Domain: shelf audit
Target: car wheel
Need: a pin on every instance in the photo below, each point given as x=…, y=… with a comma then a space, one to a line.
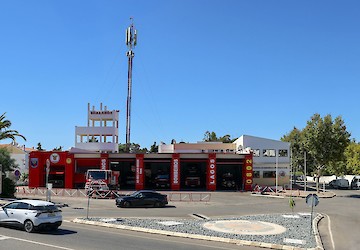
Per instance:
x=29, y=226
x=157, y=204
x=126, y=204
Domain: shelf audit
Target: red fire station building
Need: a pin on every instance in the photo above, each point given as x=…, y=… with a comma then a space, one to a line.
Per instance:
x=169, y=171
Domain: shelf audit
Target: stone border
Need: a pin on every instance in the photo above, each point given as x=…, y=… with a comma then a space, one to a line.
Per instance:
x=211, y=238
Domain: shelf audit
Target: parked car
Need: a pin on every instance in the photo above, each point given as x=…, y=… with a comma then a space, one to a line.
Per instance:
x=339, y=184
x=142, y=198
x=31, y=215
x=355, y=183
x=162, y=181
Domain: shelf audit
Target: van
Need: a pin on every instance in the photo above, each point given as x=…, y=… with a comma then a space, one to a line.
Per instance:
x=355, y=183
x=339, y=184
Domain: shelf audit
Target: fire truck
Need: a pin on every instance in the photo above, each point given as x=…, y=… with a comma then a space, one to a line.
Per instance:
x=101, y=180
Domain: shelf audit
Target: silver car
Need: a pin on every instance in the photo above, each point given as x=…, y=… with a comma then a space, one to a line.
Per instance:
x=31, y=215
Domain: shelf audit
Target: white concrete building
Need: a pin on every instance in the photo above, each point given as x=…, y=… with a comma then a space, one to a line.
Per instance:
x=101, y=133
x=271, y=158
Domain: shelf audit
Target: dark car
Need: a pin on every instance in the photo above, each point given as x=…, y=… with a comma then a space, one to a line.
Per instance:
x=142, y=198
x=162, y=181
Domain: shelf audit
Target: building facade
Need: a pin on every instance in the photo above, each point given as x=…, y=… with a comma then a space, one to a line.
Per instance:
x=271, y=159
x=168, y=171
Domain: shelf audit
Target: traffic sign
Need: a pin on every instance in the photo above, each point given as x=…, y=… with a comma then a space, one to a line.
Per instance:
x=312, y=200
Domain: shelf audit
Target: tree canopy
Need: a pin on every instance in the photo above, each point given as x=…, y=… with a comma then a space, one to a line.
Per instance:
x=212, y=137
x=324, y=140
x=6, y=132
x=8, y=164
x=352, y=154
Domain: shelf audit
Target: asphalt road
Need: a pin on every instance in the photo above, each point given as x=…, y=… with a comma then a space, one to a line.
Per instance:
x=79, y=237
x=342, y=211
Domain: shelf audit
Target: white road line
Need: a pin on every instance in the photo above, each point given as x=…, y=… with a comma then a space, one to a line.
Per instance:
x=330, y=232
x=3, y=237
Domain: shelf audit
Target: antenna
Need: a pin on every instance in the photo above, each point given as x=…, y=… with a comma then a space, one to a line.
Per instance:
x=131, y=41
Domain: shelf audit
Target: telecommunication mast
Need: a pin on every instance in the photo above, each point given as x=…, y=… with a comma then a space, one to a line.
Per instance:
x=131, y=40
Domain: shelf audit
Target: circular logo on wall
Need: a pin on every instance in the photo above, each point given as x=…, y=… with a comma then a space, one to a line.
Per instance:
x=54, y=158
x=68, y=160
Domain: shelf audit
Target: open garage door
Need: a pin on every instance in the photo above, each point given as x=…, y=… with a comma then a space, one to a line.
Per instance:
x=193, y=175
x=228, y=175
x=157, y=174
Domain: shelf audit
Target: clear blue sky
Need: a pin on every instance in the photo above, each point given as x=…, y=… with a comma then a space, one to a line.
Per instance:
x=229, y=66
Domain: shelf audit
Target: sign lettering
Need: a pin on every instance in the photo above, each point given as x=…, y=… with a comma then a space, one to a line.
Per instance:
x=176, y=171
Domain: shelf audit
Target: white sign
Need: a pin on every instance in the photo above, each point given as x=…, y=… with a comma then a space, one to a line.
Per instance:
x=54, y=158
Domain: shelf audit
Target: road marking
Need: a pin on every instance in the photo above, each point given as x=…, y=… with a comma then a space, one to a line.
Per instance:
x=3, y=237
x=330, y=232
x=294, y=241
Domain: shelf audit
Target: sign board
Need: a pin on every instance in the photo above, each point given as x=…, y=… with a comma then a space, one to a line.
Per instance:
x=312, y=200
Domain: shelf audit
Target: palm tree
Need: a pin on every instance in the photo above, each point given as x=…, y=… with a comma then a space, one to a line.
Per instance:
x=5, y=132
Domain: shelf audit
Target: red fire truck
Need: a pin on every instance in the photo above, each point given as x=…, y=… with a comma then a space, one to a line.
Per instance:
x=101, y=180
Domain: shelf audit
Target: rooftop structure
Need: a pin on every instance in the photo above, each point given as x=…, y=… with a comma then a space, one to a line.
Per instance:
x=101, y=133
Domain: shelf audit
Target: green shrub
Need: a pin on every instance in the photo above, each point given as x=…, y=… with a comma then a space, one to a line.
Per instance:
x=8, y=188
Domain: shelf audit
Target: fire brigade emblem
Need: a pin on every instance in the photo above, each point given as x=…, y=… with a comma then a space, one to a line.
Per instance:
x=54, y=158
x=34, y=162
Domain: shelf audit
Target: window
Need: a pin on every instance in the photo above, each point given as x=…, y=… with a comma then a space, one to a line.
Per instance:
x=256, y=174
x=269, y=153
x=12, y=205
x=256, y=152
x=283, y=152
x=23, y=206
x=269, y=174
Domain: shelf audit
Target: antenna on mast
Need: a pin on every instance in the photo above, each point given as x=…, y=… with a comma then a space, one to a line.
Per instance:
x=131, y=41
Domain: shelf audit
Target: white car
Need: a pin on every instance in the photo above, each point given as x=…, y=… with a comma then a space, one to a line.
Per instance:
x=339, y=184
x=31, y=215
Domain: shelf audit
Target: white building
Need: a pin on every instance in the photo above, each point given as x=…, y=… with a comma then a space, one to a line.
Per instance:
x=21, y=156
x=101, y=133
x=271, y=158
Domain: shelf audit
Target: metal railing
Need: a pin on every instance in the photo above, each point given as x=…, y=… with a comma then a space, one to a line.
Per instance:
x=109, y=194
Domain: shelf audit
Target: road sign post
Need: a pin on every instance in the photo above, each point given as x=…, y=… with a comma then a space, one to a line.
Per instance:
x=47, y=179
x=312, y=200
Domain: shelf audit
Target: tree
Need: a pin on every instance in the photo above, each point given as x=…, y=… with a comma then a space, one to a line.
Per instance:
x=8, y=164
x=208, y=137
x=352, y=154
x=211, y=137
x=134, y=148
x=39, y=148
x=297, y=147
x=325, y=141
x=5, y=132
x=58, y=148
x=154, y=148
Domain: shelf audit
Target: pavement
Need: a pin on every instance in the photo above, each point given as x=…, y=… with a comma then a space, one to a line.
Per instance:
x=235, y=227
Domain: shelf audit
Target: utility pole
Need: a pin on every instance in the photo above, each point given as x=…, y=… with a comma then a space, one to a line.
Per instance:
x=131, y=40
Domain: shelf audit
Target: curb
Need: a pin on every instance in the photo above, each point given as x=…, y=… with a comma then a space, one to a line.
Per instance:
x=210, y=238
